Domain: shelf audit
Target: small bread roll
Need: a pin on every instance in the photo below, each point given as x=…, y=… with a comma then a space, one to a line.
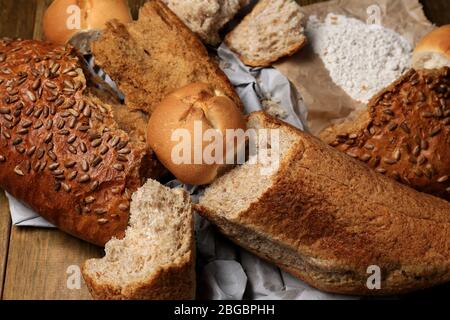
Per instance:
x=60, y=18
x=433, y=51
x=185, y=111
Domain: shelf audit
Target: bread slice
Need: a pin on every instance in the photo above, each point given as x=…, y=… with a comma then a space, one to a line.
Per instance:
x=155, y=55
x=155, y=260
x=274, y=29
x=326, y=218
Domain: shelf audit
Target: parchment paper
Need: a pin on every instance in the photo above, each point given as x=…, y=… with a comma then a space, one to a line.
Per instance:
x=326, y=102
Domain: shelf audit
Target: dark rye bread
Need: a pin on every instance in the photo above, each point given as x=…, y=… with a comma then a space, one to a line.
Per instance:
x=325, y=218
x=154, y=56
x=61, y=151
x=405, y=132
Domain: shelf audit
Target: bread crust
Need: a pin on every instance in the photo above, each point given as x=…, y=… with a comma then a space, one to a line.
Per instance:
x=59, y=143
x=326, y=218
x=262, y=62
x=404, y=132
x=437, y=41
x=175, y=281
x=140, y=57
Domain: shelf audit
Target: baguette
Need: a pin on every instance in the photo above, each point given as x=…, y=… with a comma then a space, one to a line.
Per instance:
x=325, y=218
x=62, y=148
x=156, y=258
x=154, y=56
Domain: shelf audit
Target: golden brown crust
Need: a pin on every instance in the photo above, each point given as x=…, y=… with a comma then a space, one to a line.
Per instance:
x=61, y=150
x=405, y=132
x=327, y=218
x=437, y=41
x=156, y=55
x=170, y=282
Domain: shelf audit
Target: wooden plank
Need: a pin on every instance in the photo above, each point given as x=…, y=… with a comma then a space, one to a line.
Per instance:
x=38, y=262
x=17, y=18
x=41, y=5
x=5, y=227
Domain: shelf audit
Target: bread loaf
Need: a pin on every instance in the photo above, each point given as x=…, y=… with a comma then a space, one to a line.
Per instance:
x=154, y=56
x=62, y=150
x=326, y=218
x=405, y=132
x=156, y=258
x=274, y=29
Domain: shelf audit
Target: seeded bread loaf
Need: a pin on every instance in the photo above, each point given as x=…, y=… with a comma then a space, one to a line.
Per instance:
x=326, y=218
x=62, y=151
x=154, y=56
x=156, y=258
x=405, y=132
x=274, y=29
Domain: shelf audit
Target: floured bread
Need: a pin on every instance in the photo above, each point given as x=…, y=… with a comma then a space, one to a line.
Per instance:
x=272, y=30
x=155, y=260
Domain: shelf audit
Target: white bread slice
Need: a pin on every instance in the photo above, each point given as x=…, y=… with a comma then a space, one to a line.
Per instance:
x=274, y=29
x=156, y=258
x=326, y=218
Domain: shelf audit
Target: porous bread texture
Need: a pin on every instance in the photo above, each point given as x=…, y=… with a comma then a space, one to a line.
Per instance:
x=325, y=218
x=431, y=60
x=206, y=17
x=155, y=55
x=274, y=29
x=155, y=259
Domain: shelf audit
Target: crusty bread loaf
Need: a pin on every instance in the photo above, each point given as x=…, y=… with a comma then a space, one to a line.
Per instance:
x=197, y=106
x=156, y=258
x=206, y=17
x=325, y=218
x=274, y=29
x=155, y=55
x=433, y=51
x=405, y=132
x=62, y=151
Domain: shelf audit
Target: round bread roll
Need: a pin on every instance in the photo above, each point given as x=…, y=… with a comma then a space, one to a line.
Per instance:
x=61, y=20
x=433, y=51
x=193, y=110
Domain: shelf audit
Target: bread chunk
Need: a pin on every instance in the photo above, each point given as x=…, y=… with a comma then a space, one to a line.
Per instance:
x=155, y=55
x=156, y=258
x=274, y=29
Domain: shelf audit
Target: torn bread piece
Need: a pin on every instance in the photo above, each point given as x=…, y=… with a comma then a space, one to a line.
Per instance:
x=274, y=29
x=326, y=218
x=151, y=57
x=156, y=258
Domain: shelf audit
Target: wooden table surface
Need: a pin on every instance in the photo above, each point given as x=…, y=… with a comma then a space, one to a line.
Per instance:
x=43, y=263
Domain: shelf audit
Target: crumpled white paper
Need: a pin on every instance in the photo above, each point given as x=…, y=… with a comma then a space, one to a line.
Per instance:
x=225, y=271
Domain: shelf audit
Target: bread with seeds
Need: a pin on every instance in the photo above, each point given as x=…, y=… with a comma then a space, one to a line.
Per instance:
x=274, y=29
x=156, y=258
x=63, y=150
x=405, y=132
x=154, y=56
x=326, y=218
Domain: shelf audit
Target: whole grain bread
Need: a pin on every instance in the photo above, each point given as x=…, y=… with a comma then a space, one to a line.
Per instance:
x=62, y=150
x=405, y=132
x=272, y=30
x=326, y=218
x=156, y=258
x=155, y=55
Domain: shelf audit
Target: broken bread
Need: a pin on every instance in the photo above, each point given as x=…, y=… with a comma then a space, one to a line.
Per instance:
x=274, y=29
x=155, y=259
x=327, y=218
x=151, y=57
